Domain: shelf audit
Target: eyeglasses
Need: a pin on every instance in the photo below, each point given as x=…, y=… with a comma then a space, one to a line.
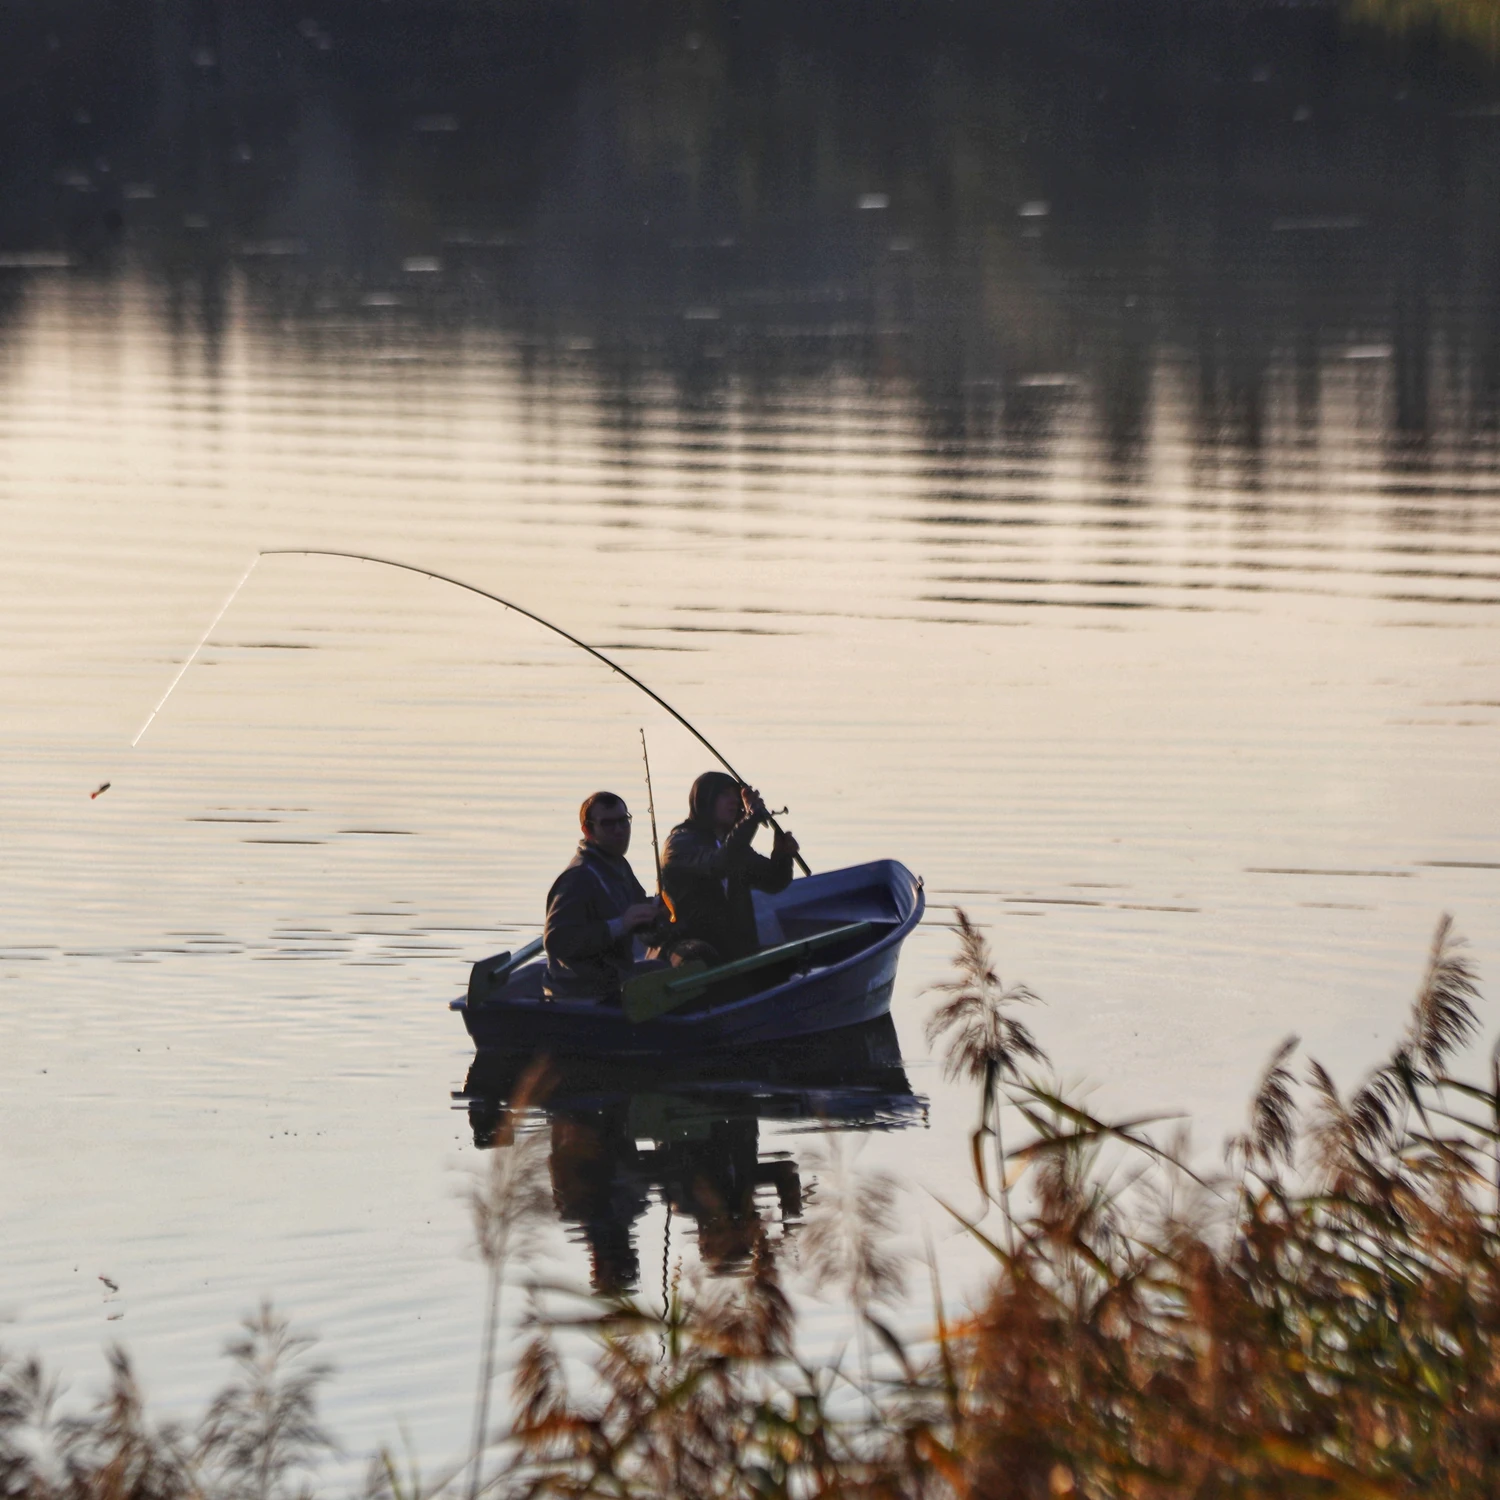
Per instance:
x=623, y=820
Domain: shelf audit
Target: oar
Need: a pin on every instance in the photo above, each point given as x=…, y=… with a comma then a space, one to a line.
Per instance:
x=661, y=990
x=492, y=971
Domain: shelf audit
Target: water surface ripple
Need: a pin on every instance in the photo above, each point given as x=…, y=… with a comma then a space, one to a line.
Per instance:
x=1120, y=554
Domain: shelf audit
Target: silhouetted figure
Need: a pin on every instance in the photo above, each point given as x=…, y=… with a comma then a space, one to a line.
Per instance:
x=709, y=866
x=595, y=908
x=598, y=1183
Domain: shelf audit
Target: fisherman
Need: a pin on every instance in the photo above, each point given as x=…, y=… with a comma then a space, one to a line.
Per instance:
x=595, y=908
x=709, y=867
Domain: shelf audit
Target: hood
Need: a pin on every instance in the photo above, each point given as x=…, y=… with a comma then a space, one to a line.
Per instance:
x=705, y=793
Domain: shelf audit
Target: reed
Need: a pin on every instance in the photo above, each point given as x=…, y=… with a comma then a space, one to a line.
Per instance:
x=985, y=1043
x=262, y=1431
x=259, y=1438
x=508, y=1204
x=1316, y=1316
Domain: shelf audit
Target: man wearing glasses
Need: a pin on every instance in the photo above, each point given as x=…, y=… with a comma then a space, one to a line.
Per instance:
x=595, y=908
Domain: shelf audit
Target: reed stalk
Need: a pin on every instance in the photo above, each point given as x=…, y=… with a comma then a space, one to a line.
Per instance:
x=985, y=1043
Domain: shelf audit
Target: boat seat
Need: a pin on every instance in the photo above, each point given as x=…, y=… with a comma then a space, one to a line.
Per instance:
x=874, y=907
x=800, y=925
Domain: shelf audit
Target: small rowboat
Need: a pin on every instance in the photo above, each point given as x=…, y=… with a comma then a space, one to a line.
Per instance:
x=829, y=947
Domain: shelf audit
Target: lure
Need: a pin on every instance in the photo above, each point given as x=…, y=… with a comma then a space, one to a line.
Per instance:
x=103, y=787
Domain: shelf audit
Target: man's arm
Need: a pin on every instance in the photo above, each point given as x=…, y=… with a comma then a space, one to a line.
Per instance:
x=688, y=852
x=773, y=874
x=575, y=929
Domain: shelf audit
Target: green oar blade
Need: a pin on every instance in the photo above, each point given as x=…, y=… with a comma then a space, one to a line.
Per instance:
x=648, y=996
x=654, y=994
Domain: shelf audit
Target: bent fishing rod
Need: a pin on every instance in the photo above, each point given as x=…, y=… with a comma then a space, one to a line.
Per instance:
x=458, y=583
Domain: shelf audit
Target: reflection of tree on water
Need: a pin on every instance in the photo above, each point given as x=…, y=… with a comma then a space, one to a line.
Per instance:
x=592, y=174
x=629, y=1134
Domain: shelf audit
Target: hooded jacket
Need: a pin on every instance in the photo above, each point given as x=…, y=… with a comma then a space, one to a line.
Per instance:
x=709, y=882
x=588, y=953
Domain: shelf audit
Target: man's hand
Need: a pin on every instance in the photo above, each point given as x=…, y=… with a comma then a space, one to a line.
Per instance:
x=642, y=914
x=784, y=845
x=755, y=806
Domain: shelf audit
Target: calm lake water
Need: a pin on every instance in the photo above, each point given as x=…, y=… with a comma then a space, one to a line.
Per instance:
x=1089, y=496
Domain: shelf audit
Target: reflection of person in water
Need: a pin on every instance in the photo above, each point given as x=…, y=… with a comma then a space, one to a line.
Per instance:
x=599, y=1183
x=713, y=1180
x=708, y=1166
x=602, y=1183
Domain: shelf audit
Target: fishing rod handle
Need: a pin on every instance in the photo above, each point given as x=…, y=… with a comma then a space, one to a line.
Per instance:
x=801, y=863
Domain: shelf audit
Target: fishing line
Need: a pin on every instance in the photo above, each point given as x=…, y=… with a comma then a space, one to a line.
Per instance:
x=202, y=642
x=666, y=1259
x=614, y=666
x=458, y=583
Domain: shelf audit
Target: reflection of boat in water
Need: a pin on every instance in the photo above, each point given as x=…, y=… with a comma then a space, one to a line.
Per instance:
x=625, y=1132
x=829, y=943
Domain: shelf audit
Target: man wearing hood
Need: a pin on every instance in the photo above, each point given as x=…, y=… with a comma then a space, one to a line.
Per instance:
x=595, y=908
x=709, y=869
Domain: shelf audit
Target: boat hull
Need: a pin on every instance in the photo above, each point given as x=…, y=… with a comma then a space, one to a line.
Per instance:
x=855, y=989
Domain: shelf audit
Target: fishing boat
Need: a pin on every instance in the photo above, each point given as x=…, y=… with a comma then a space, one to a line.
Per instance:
x=829, y=949
x=829, y=943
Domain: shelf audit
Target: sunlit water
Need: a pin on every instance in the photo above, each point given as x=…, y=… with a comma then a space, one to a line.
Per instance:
x=1196, y=713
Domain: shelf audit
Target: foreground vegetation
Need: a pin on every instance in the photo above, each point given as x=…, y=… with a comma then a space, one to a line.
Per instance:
x=1320, y=1316
x=1474, y=21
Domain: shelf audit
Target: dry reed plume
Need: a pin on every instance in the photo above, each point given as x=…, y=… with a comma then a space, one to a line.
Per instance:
x=258, y=1440
x=1318, y=1318
x=986, y=1044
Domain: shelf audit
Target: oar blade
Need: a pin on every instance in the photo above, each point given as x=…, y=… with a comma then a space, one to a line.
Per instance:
x=647, y=995
x=655, y=993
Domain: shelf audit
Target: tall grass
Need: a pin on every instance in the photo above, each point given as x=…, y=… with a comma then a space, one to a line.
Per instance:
x=258, y=1440
x=1316, y=1316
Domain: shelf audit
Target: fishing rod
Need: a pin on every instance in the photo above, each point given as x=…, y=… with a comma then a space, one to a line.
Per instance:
x=651, y=808
x=458, y=583
x=661, y=890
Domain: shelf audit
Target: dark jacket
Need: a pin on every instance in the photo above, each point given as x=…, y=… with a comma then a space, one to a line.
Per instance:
x=709, y=882
x=583, y=957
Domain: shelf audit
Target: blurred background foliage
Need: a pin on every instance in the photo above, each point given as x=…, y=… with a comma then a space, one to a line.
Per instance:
x=960, y=192
x=1472, y=22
